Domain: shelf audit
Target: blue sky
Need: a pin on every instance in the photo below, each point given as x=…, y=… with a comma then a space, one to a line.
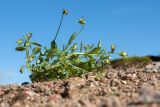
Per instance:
x=133, y=25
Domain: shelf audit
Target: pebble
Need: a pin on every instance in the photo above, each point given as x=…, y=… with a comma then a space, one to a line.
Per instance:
x=115, y=83
x=149, y=95
x=124, y=82
x=4, y=104
x=1, y=92
x=153, y=68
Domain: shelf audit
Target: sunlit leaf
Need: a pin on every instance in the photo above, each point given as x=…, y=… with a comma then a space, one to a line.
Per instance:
x=19, y=42
x=95, y=51
x=36, y=50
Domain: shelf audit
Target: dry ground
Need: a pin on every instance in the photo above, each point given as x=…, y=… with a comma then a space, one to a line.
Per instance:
x=118, y=87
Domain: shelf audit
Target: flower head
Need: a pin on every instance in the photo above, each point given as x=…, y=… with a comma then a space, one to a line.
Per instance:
x=65, y=11
x=82, y=21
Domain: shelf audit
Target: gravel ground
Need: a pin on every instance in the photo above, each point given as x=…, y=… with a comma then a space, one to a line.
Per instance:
x=130, y=87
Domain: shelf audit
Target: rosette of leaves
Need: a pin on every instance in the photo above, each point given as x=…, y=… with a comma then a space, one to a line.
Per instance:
x=53, y=63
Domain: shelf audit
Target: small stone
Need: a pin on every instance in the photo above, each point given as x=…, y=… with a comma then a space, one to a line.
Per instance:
x=115, y=89
x=114, y=102
x=4, y=104
x=157, y=67
x=153, y=68
x=129, y=76
x=1, y=92
x=134, y=76
x=124, y=82
x=111, y=75
x=29, y=93
x=149, y=95
x=17, y=104
x=115, y=83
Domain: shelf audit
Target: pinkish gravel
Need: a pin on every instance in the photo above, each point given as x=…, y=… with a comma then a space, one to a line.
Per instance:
x=130, y=87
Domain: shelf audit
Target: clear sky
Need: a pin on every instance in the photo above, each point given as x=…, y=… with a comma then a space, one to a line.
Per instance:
x=133, y=25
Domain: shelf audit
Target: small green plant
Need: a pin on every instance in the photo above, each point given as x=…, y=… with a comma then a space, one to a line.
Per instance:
x=53, y=63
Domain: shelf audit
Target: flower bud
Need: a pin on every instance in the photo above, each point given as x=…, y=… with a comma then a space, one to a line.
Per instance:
x=82, y=21
x=123, y=54
x=108, y=61
x=29, y=35
x=113, y=48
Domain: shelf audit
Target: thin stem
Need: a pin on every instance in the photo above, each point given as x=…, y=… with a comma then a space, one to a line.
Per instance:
x=59, y=27
x=80, y=30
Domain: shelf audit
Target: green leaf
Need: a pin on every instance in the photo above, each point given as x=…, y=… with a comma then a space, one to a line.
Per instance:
x=36, y=50
x=73, y=36
x=95, y=51
x=88, y=48
x=19, y=42
x=99, y=44
x=39, y=60
x=53, y=45
x=31, y=58
x=20, y=48
x=42, y=53
x=37, y=44
x=49, y=54
x=91, y=47
x=21, y=69
x=74, y=47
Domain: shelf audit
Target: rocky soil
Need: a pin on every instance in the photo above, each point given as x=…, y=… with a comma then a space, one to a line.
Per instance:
x=129, y=87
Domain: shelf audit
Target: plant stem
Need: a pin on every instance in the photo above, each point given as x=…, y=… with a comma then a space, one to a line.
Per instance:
x=59, y=27
x=27, y=56
x=80, y=30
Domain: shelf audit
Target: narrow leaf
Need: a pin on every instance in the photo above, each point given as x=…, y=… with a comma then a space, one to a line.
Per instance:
x=20, y=48
x=73, y=36
x=21, y=69
x=36, y=50
x=37, y=44
x=95, y=51
x=99, y=44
